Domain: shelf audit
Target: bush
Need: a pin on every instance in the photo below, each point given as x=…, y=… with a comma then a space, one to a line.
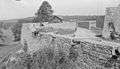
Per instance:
x=46, y=58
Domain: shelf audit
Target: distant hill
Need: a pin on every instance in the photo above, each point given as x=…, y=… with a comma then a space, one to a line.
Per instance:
x=22, y=20
x=99, y=19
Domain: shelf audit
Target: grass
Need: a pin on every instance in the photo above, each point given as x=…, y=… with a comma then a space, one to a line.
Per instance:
x=46, y=58
x=8, y=49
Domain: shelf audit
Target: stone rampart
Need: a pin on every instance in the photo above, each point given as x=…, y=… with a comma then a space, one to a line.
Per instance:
x=91, y=55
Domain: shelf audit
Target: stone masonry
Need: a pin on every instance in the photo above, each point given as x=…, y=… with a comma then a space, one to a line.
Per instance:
x=91, y=55
x=112, y=15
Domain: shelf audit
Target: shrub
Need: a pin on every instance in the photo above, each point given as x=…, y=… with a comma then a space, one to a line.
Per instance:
x=45, y=58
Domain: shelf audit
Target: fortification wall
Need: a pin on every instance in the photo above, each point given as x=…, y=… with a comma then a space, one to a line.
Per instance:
x=108, y=18
x=84, y=55
x=112, y=15
x=116, y=19
x=89, y=55
x=6, y=34
x=10, y=32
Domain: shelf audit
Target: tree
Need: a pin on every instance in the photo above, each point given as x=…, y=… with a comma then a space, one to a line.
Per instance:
x=44, y=12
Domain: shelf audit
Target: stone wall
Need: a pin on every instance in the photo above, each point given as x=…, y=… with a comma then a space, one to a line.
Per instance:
x=112, y=15
x=116, y=19
x=108, y=18
x=87, y=55
x=6, y=34
x=10, y=32
x=78, y=54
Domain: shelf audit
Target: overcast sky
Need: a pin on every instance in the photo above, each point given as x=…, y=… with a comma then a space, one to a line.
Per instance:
x=10, y=9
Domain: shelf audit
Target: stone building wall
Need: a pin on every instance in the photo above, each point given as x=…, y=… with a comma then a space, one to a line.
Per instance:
x=112, y=15
x=10, y=32
x=108, y=18
x=26, y=35
x=6, y=34
x=116, y=19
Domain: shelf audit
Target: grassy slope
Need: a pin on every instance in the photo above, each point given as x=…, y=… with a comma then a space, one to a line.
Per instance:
x=8, y=49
